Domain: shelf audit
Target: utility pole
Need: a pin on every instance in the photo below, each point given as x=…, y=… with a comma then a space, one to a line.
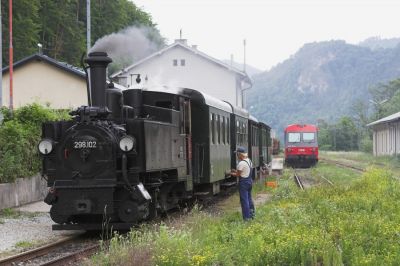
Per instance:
x=11, y=56
x=1, y=59
x=88, y=26
x=244, y=55
x=88, y=45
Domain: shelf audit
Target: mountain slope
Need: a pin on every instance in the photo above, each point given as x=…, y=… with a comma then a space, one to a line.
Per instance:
x=321, y=81
x=250, y=70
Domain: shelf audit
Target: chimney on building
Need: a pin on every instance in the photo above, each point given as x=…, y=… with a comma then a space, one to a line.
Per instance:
x=182, y=41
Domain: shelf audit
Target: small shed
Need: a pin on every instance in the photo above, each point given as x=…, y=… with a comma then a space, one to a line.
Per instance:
x=386, y=135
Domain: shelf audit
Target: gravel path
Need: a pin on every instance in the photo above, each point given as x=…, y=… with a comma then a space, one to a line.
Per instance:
x=27, y=227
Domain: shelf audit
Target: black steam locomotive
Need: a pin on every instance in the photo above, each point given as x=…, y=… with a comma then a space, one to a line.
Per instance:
x=133, y=154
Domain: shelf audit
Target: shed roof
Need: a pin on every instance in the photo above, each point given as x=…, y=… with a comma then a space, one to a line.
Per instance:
x=40, y=57
x=386, y=119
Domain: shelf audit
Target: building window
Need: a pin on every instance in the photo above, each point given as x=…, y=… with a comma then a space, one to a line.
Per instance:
x=183, y=62
x=175, y=62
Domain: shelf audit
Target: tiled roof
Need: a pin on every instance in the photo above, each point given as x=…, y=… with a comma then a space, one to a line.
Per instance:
x=40, y=57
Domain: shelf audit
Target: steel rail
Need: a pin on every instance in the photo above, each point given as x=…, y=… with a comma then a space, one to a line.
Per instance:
x=327, y=180
x=73, y=257
x=37, y=252
x=298, y=181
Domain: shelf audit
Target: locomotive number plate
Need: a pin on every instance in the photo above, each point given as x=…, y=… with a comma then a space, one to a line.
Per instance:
x=302, y=150
x=85, y=144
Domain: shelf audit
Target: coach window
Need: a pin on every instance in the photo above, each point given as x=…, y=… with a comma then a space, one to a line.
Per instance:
x=210, y=127
x=294, y=137
x=308, y=137
x=244, y=133
x=227, y=130
x=213, y=128
x=223, y=129
x=238, y=132
x=219, y=128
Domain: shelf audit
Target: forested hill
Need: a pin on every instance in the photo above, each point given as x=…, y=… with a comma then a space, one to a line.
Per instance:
x=321, y=81
x=60, y=26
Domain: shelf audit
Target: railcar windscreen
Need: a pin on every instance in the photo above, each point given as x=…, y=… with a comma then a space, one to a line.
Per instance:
x=308, y=137
x=293, y=137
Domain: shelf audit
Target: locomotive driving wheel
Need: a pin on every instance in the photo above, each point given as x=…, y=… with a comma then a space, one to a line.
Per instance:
x=59, y=218
x=128, y=212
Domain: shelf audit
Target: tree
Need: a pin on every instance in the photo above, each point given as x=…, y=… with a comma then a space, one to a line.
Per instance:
x=60, y=26
x=25, y=28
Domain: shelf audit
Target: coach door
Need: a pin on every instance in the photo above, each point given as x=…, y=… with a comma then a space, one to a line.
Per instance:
x=186, y=130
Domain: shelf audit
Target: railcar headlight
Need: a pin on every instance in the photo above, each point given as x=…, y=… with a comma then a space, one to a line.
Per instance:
x=45, y=146
x=127, y=143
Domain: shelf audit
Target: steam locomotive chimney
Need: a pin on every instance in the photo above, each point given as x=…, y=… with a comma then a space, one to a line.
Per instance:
x=98, y=62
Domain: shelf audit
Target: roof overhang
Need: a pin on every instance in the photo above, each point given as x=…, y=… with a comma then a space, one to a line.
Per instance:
x=386, y=119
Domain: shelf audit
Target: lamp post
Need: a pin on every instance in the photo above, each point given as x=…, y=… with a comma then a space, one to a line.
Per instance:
x=11, y=56
x=1, y=61
x=378, y=106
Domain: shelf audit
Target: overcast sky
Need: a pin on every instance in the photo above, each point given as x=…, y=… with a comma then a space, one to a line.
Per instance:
x=274, y=29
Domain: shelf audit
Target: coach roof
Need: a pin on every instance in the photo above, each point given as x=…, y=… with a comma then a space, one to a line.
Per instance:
x=195, y=96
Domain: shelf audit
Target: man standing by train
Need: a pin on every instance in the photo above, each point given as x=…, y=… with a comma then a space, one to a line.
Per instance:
x=243, y=171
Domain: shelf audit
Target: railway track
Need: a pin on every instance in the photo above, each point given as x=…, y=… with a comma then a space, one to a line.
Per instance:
x=66, y=251
x=343, y=165
x=303, y=183
x=298, y=181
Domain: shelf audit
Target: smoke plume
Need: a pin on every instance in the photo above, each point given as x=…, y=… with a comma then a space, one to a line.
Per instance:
x=128, y=45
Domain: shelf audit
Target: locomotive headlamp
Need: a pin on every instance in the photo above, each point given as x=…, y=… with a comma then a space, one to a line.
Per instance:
x=45, y=146
x=127, y=143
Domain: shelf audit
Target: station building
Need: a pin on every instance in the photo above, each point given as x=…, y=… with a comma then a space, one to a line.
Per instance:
x=386, y=135
x=181, y=65
x=44, y=80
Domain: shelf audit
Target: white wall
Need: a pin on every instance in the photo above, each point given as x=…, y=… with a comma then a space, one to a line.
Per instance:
x=198, y=73
x=386, y=139
x=40, y=82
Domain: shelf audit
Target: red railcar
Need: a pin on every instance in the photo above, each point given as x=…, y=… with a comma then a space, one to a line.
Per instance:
x=301, y=145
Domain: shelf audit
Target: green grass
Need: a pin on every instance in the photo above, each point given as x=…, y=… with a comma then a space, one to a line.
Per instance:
x=24, y=244
x=10, y=213
x=354, y=222
x=361, y=158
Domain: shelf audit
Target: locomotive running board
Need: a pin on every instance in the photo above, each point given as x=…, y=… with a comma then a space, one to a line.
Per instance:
x=93, y=227
x=202, y=193
x=228, y=184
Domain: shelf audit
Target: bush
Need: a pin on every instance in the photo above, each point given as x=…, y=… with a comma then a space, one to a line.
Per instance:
x=366, y=145
x=19, y=136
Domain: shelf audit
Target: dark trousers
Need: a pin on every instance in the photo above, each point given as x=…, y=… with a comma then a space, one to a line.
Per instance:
x=245, y=186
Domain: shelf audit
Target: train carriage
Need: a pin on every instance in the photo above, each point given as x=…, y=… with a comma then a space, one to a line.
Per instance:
x=132, y=154
x=301, y=145
x=264, y=144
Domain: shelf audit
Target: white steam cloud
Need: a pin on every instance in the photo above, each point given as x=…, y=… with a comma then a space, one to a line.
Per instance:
x=128, y=45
